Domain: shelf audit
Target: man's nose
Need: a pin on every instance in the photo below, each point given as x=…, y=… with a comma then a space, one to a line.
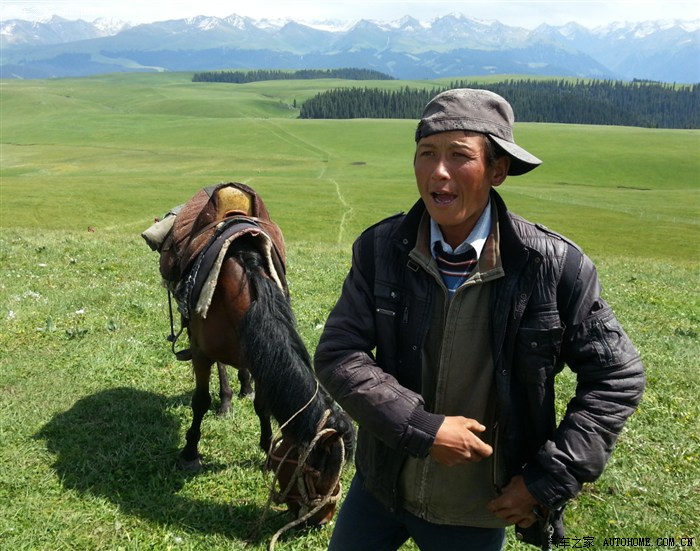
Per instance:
x=440, y=172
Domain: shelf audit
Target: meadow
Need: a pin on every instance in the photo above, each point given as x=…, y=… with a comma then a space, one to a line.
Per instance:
x=93, y=405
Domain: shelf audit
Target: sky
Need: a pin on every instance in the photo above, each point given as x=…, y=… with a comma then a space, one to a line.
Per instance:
x=522, y=13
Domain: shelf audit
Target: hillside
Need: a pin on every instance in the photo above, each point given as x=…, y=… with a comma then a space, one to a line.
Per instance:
x=124, y=144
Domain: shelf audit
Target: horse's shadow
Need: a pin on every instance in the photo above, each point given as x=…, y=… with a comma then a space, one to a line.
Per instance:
x=127, y=455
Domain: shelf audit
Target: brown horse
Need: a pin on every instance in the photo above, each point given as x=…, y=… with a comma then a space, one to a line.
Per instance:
x=249, y=324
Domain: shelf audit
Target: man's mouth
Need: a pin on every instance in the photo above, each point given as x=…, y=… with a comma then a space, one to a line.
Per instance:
x=443, y=198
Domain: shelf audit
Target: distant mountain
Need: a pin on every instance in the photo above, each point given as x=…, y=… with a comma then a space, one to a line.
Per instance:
x=57, y=30
x=449, y=46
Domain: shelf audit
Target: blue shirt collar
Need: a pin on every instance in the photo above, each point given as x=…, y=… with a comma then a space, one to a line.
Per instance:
x=476, y=239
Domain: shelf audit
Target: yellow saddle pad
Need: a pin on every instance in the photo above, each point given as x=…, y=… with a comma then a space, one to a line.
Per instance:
x=231, y=200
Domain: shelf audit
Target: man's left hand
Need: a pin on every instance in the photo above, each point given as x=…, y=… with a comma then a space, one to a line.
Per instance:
x=516, y=504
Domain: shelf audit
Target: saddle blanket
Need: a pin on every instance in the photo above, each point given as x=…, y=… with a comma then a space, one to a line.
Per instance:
x=195, y=291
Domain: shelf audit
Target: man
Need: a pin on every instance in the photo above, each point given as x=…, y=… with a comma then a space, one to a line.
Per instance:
x=452, y=323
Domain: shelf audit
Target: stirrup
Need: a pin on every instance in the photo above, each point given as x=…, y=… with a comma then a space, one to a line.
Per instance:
x=184, y=355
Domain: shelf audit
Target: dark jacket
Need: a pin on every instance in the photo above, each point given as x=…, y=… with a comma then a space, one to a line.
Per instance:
x=369, y=359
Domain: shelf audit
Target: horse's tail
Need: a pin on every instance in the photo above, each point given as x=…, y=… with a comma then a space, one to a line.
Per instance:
x=279, y=361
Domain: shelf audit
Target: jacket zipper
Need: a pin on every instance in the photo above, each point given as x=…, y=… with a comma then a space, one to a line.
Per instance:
x=495, y=459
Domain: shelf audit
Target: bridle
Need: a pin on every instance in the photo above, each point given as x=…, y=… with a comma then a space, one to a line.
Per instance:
x=301, y=488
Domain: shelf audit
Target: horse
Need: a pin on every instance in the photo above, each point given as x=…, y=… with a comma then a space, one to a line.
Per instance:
x=248, y=323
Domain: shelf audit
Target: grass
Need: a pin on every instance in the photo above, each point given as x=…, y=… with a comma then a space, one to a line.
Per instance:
x=93, y=407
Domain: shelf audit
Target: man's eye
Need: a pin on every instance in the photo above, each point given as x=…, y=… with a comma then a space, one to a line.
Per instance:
x=464, y=155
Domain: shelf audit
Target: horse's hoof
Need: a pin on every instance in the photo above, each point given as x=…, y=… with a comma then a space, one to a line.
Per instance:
x=189, y=465
x=223, y=410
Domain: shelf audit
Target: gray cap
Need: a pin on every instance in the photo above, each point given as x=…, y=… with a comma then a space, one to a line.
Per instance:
x=478, y=111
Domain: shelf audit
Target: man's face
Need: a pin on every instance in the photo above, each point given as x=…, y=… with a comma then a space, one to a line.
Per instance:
x=454, y=180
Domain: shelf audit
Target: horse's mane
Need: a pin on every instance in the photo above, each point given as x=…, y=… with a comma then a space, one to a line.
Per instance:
x=279, y=361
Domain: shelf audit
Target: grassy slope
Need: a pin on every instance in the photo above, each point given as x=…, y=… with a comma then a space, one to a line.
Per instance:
x=92, y=405
x=127, y=147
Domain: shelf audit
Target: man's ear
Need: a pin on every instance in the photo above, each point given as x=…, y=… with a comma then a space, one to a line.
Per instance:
x=500, y=170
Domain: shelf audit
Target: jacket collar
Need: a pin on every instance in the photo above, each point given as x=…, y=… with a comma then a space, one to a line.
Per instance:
x=513, y=250
x=512, y=247
x=406, y=233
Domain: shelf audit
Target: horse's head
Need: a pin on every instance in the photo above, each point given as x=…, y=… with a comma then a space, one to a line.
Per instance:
x=309, y=476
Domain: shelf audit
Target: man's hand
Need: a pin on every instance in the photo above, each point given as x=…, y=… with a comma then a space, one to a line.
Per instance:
x=456, y=442
x=516, y=504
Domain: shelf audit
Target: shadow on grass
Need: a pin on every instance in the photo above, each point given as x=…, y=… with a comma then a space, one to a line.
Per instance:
x=122, y=444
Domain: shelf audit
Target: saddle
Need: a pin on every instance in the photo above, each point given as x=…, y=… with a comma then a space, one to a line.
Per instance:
x=194, y=238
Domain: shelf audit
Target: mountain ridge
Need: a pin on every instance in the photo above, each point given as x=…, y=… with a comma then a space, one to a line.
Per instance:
x=449, y=46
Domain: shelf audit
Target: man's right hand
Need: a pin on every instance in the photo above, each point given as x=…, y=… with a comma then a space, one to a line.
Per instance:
x=456, y=442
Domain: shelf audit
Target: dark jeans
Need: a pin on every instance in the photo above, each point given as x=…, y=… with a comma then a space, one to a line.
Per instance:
x=364, y=524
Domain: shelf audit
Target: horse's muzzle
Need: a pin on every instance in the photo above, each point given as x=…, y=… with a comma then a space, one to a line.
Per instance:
x=301, y=487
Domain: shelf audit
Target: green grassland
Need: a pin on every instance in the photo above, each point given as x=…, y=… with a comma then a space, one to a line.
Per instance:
x=93, y=407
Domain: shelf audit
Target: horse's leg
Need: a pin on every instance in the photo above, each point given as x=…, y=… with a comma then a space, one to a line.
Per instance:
x=190, y=460
x=265, y=427
x=225, y=392
x=245, y=379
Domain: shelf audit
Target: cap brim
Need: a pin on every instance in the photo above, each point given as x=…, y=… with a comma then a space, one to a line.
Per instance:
x=520, y=160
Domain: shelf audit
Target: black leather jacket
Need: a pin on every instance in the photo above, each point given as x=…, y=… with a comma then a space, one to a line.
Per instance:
x=369, y=359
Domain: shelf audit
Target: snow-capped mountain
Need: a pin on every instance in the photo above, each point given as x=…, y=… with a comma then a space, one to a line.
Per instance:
x=56, y=30
x=452, y=45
